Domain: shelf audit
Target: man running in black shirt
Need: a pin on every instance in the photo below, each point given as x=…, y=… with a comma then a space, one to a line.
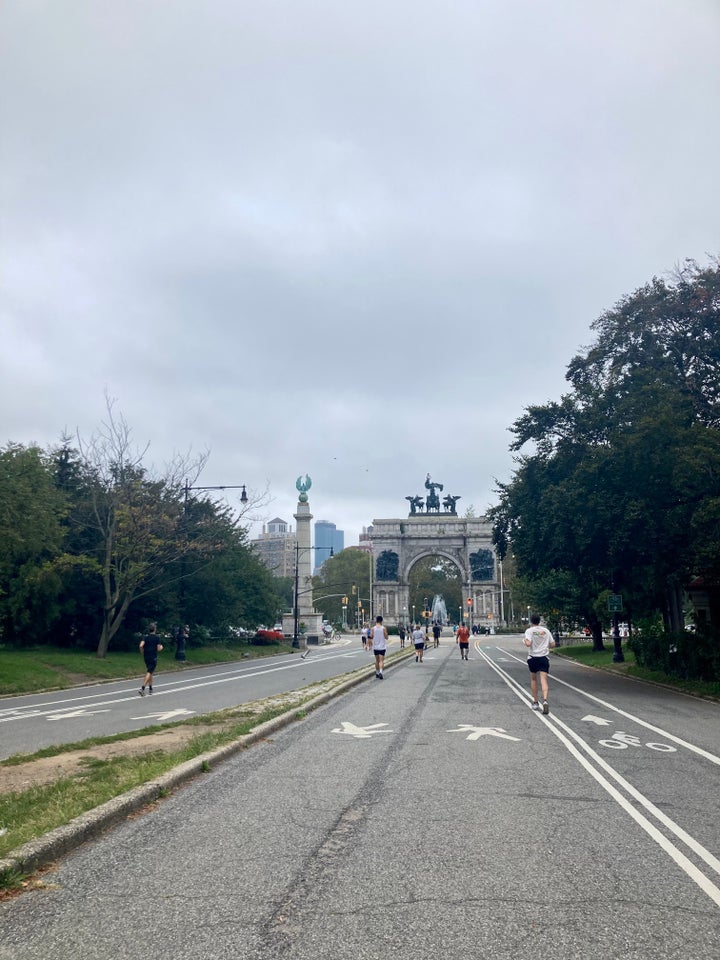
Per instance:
x=150, y=647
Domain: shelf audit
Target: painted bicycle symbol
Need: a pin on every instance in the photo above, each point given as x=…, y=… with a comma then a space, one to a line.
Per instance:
x=621, y=741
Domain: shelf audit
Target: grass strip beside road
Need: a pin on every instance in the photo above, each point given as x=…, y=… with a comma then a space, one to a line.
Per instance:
x=603, y=660
x=31, y=813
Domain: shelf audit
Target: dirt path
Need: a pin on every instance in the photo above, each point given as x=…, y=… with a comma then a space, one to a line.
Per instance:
x=35, y=773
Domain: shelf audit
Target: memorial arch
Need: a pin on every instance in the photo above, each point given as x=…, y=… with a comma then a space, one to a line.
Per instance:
x=429, y=530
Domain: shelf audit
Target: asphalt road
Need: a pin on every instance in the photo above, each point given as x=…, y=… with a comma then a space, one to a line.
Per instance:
x=431, y=814
x=31, y=722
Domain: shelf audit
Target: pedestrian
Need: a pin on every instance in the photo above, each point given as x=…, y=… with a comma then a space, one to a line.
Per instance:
x=538, y=640
x=379, y=645
x=463, y=639
x=419, y=640
x=437, y=629
x=150, y=647
x=364, y=637
x=401, y=634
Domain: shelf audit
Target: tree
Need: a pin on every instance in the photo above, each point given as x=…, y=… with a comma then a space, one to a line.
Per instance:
x=137, y=519
x=32, y=511
x=627, y=463
x=348, y=568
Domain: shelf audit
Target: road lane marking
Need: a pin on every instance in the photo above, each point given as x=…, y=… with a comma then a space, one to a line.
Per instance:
x=71, y=714
x=177, y=687
x=476, y=732
x=713, y=758
x=168, y=715
x=360, y=733
x=557, y=727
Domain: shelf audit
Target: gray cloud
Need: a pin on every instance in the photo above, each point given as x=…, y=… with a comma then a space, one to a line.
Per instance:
x=354, y=240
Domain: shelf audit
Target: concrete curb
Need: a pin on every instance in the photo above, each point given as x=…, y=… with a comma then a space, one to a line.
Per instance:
x=44, y=850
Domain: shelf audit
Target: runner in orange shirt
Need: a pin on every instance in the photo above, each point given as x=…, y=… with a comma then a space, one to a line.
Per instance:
x=463, y=638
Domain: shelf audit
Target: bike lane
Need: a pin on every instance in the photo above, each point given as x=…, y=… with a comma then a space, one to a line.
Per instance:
x=431, y=812
x=659, y=747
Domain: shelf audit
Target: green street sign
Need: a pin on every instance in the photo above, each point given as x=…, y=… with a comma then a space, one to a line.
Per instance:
x=615, y=602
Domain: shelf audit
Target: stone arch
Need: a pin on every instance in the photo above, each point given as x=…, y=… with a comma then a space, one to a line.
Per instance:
x=464, y=541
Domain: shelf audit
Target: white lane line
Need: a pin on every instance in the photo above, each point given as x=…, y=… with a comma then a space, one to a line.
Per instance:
x=643, y=723
x=55, y=708
x=704, y=882
x=695, y=874
x=677, y=830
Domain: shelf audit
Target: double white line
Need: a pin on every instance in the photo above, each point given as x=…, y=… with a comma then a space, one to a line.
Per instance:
x=569, y=739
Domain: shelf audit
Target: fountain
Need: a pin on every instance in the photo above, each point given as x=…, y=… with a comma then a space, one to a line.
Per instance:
x=439, y=610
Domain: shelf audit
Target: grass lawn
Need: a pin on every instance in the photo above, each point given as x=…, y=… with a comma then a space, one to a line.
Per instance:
x=51, y=668
x=584, y=653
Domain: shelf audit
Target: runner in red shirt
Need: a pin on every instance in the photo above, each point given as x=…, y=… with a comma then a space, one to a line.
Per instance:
x=463, y=638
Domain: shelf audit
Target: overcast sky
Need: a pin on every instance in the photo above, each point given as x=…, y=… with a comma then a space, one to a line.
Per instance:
x=346, y=239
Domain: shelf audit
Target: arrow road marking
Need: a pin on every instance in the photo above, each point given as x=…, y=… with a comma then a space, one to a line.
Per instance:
x=168, y=715
x=17, y=715
x=361, y=733
x=75, y=713
x=476, y=732
x=598, y=720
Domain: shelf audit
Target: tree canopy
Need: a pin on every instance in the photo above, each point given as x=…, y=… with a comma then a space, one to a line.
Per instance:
x=93, y=544
x=621, y=490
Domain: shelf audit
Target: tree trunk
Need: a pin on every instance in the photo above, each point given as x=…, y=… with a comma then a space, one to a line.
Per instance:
x=596, y=630
x=675, y=616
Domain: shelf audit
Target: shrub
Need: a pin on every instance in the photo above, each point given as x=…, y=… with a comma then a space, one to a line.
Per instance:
x=267, y=636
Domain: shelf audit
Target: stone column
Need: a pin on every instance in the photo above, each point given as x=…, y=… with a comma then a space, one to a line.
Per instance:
x=309, y=623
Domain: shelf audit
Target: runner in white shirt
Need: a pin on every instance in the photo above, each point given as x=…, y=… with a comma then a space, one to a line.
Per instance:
x=379, y=646
x=419, y=642
x=538, y=640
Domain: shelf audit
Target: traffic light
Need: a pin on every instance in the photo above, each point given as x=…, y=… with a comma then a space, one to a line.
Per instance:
x=469, y=601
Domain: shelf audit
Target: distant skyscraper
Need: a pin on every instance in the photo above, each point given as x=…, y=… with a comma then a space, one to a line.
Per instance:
x=327, y=538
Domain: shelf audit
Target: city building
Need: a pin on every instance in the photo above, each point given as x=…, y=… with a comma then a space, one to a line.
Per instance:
x=275, y=547
x=327, y=538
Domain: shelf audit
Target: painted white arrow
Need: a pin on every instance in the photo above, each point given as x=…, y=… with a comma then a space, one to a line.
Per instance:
x=20, y=716
x=361, y=733
x=476, y=732
x=598, y=720
x=165, y=716
x=75, y=713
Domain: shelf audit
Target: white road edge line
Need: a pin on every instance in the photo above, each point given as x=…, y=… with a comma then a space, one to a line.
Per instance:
x=713, y=758
x=695, y=874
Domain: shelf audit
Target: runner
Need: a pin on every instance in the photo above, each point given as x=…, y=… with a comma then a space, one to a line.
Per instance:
x=379, y=646
x=463, y=638
x=437, y=630
x=419, y=640
x=538, y=640
x=150, y=647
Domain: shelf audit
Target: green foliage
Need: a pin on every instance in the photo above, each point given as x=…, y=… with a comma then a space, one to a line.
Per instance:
x=622, y=491
x=335, y=581
x=93, y=546
x=690, y=656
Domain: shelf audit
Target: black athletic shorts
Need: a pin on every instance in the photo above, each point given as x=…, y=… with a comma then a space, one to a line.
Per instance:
x=465, y=645
x=539, y=664
x=151, y=664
